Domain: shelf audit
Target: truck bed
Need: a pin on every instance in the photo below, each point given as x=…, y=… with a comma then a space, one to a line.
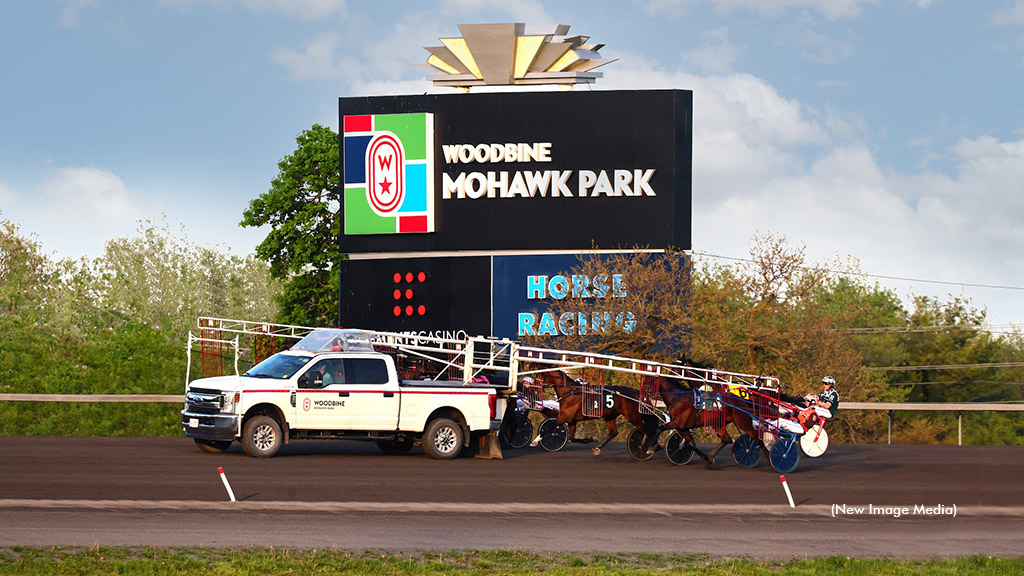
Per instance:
x=452, y=384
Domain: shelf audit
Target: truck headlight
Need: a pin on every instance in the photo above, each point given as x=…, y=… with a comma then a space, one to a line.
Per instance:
x=230, y=399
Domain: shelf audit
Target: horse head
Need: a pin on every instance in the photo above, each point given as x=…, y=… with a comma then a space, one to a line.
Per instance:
x=560, y=381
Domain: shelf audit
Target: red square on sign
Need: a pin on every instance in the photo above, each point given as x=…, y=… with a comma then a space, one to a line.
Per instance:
x=412, y=224
x=357, y=124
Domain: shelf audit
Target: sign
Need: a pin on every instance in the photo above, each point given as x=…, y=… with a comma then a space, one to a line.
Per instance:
x=563, y=171
x=433, y=296
x=502, y=296
x=449, y=198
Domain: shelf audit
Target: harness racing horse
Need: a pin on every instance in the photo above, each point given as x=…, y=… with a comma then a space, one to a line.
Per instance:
x=619, y=401
x=685, y=414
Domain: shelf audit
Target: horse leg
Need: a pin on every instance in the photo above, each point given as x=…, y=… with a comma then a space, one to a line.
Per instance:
x=613, y=431
x=726, y=440
x=572, y=434
x=746, y=426
x=652, y=429
x=707, y=459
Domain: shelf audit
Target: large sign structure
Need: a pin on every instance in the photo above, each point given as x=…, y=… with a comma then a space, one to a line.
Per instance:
x=514, y=172
x=463, y=213
x=459, y=189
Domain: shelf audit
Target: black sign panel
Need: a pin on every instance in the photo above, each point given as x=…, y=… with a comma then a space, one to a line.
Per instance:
x=518, y=171
x=428, y=295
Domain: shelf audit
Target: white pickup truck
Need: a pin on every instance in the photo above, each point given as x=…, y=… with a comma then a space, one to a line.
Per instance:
x=333, y=384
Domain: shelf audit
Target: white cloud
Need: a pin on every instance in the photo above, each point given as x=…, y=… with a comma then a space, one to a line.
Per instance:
x=1011, y=16
x=716, y=54
x=317, y=60
x=832, y=9
x=965, y=228
x=88, y=197
x=71, y=10
x=765, y=163
x=382, y=64
x=815, y=46
x=76, y=210
x=295, y=9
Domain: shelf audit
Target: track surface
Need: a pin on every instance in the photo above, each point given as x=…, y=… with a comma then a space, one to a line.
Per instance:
x=164, y=492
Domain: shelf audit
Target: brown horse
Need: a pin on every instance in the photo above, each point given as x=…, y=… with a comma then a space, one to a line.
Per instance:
x=685, y=415
x=617, y=401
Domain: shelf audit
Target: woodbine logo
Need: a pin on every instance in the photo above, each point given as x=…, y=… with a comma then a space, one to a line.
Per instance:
x=389, y=173
x=633, y=183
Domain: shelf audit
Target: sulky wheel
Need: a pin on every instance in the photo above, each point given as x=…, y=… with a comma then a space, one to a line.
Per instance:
x=785, y=454
x=635, y=445
x=553, y=435
x=746, y=452
x=679, y=452
x=522, y=431
x=814, y=442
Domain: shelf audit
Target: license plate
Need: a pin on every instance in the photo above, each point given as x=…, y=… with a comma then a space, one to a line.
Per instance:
x=193, y=422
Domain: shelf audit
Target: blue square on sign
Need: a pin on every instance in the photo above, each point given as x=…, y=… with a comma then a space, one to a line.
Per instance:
x=415, y=188
x=355, y=159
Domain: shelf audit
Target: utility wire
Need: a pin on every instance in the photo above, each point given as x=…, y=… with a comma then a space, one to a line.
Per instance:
x=998, y=329
x=943, y=367
x=993, y=328
x=864, y=275
x=954, y=382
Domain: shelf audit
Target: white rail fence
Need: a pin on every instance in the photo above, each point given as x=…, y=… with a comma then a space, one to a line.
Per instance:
x=890, y=407
x=959, y=408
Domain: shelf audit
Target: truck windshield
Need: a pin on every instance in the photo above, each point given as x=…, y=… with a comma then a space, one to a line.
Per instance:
x=278, y=366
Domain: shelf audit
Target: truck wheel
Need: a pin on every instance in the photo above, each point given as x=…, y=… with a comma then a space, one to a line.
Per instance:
x=395, y=447
x=443, y=439
x=213, y=446
x=261, y=437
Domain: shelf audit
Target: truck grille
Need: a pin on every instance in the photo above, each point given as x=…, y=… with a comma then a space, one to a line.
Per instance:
x=204, y=401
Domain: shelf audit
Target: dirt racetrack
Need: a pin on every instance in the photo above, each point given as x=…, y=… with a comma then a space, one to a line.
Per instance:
x=864, y=500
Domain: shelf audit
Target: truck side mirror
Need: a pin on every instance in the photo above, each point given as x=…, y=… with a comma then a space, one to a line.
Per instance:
x=311, y=380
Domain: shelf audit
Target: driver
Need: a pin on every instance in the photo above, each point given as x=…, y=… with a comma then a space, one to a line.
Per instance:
x=829, y=398
x=326, y=373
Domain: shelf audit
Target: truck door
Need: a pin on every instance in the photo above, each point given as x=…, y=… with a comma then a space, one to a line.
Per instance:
x=374, y=398
x=321, y=402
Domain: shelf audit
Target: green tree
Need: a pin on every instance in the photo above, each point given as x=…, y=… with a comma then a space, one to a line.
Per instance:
x=25, y=273
x=963, y=343
x=301, y=208
x=115, y=324
x=771, y=315
x=163, y=280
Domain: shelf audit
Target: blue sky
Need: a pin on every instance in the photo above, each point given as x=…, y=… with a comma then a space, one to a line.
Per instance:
x=888, y=131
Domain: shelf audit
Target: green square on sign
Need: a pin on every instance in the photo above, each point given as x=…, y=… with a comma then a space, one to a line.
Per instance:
x=411, y=129
x=361, y=219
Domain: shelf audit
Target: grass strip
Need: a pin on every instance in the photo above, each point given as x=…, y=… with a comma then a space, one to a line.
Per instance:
x=285, y=561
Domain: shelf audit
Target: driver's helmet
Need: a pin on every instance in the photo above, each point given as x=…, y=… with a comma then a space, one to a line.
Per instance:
x=828, y=380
